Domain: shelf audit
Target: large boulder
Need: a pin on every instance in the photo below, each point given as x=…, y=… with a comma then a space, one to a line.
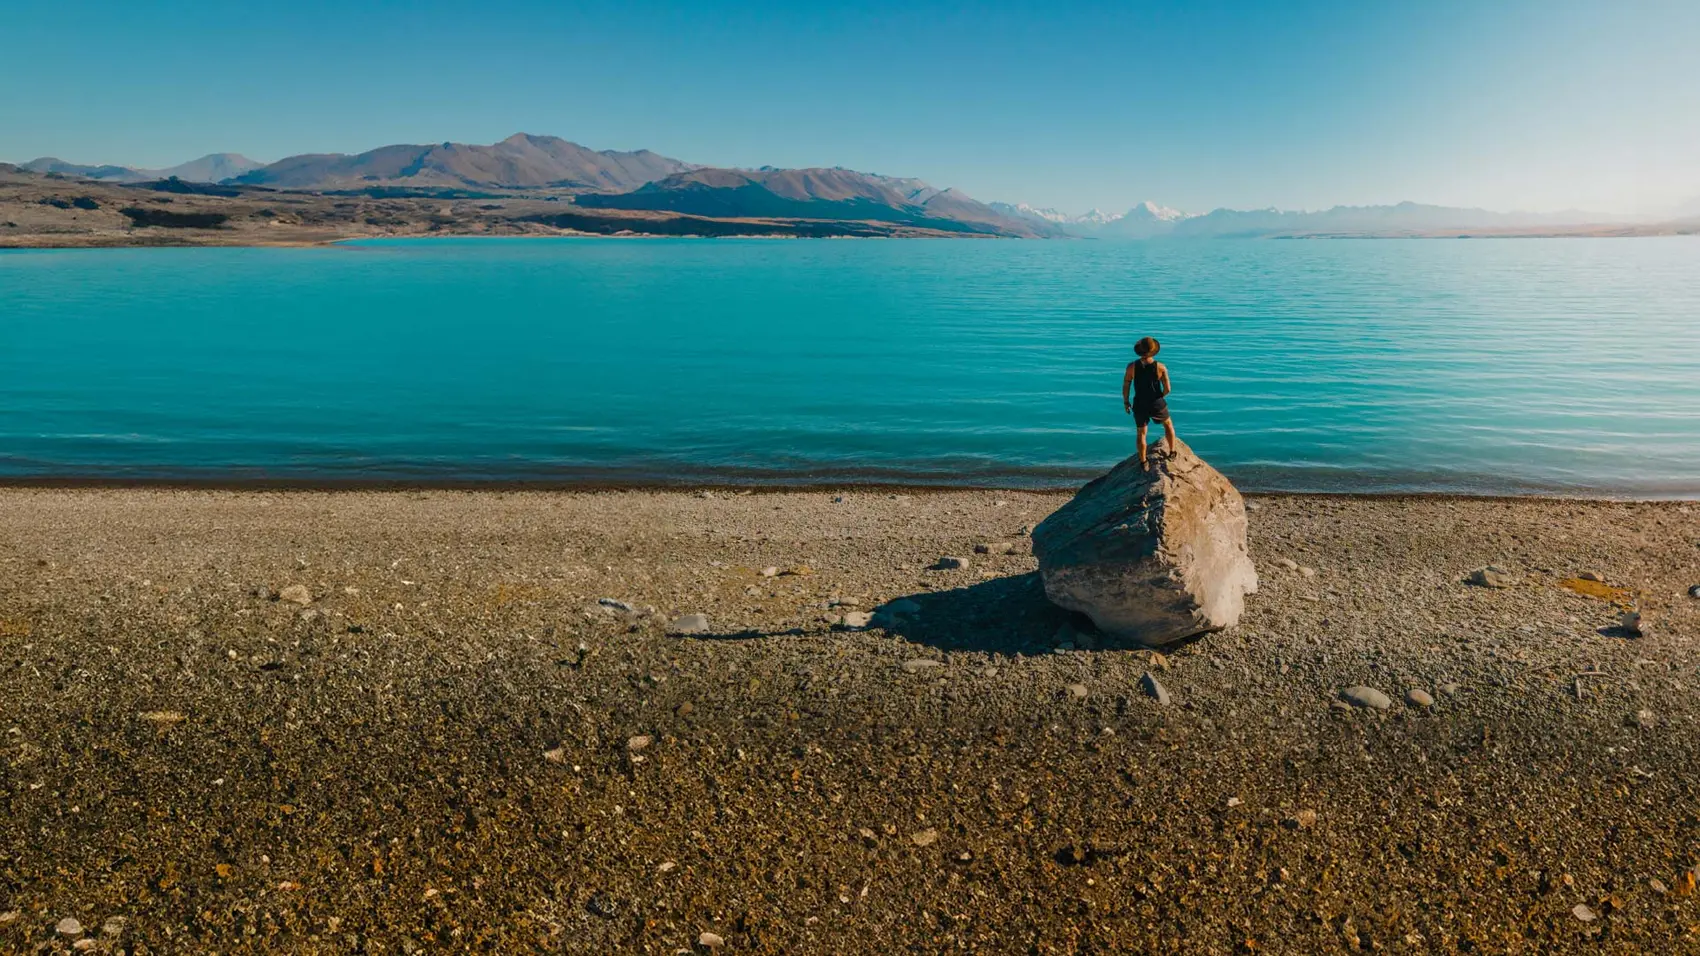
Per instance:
x=1151, y=555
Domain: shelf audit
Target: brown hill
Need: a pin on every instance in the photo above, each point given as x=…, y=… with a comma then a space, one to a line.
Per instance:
x=521, y=161
x=830, y=194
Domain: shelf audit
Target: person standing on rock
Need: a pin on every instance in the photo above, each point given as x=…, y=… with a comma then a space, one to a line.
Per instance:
x=1148, y=382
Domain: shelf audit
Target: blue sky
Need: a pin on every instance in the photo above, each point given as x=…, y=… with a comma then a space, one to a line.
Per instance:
x=1508, y=104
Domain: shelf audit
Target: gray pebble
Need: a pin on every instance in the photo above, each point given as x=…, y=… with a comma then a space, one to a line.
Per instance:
x=921, y=665
x=69, y=927
x=1362, y=696
x=690, y=624
x=1077, y=691
x=1417, y=697
x=1154, y=689
x=952, y=564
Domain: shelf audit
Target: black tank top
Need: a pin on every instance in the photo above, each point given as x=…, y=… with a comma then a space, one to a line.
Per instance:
x=1146, y=389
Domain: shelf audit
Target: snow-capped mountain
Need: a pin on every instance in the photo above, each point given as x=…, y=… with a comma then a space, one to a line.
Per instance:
x=1143, y=220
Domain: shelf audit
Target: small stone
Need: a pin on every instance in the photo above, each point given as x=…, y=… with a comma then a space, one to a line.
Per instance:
x=1287, y=563
x=163, y=718
x=705, y=494
x=1303, y=820
x=1592, y=576
x=1154, y=689
x=667, y=867
x=1077, y=691
x=837, y=499
x=902, y=606
x=1362, y=696
x=1417, y=697
x=684, y=709
x=264, y=593
x=951, y=564
x=924, y=838
x=1658, y=886
x=296, y=594
x=867, y=836
x=85, y=944
x=1634, y=622
x=690, y=624
x=637, y=743
x=1235, y=801
x=557, y=755
x=615, y=605
x=770, y=572
x=1307, y=571
x=69, y=927
x=855, y=620
x=1694, y=592
x=1491, y=576
x=994, y=547
x=921, y=665
x=1584, y=912
x=1450, y=689
x=710, y=940
x=1643, y=719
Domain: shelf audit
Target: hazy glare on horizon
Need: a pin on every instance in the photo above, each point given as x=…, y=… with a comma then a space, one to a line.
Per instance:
x=1521, y=104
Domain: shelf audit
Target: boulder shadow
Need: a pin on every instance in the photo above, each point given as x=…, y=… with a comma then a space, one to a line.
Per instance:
x=1007, y=616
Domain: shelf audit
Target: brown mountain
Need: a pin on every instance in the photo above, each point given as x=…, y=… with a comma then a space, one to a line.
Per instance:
x=521, y=161
x=828, y=194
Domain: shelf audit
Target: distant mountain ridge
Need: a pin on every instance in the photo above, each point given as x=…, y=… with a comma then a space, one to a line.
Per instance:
x=521, y=161
x=1142, y=221
x=211, y=168
x=818, y=193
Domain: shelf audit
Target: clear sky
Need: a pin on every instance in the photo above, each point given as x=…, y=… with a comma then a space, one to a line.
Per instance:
x=1506, y=104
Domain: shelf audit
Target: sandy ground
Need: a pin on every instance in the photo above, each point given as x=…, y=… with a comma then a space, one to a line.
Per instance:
x=454, y=747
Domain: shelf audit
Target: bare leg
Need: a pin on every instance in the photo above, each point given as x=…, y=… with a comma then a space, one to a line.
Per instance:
x=1141, y=430
x=1169, y=433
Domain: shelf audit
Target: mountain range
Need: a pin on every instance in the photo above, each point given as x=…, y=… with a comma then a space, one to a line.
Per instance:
x=211, y=168
x=641, y=180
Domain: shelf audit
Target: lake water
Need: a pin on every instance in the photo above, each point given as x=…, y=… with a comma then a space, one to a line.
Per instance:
x=1482, y=366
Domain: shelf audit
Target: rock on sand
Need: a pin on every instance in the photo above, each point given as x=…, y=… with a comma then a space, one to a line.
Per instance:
x=1150, y=555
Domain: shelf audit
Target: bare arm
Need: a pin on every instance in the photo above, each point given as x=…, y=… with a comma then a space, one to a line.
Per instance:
x=1127, y=383
x=1163, y=379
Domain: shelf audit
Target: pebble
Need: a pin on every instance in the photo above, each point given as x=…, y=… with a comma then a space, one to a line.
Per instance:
x=855, y=620
x=1303, y=820
x=1287, y=563
x=1592, y=576
x=924, y=838
x=84, y=945
x=1077, y=691
x=1417, y=697
x=1643, y=719
x=1658, y=886
x=690, y=624
x=637, y=743
x=1694, y=592
x=921, y=665
x=1363, y=696
x=1234, y=801
x=1450, y=689
x=710, y=940
x=1154, y=689
x=770, y=572
x=69, y=927
x=837, y=499
x=616, y=605
x=296, y=594
x=1491, y=576
x=1307, y=571
x=994, y=547
x=1584, y=912
x=684, y=709
x=948, y=563
x=902, y=606
x=1634, y=622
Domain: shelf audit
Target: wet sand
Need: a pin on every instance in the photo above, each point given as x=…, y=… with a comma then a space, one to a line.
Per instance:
x=444, y=749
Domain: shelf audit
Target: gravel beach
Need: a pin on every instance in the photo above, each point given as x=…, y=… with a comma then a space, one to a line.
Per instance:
x=445, y=721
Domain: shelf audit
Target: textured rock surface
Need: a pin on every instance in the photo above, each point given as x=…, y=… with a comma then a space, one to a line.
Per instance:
x=1150, y=555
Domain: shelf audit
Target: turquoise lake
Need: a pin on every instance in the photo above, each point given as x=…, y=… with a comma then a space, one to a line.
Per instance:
x=1477, y=366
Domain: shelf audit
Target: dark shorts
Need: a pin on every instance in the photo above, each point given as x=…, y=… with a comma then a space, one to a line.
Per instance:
x=1157, y=411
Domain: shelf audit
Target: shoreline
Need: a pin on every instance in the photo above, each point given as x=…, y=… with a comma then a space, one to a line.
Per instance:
x=253, y=722
x=742, y=489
